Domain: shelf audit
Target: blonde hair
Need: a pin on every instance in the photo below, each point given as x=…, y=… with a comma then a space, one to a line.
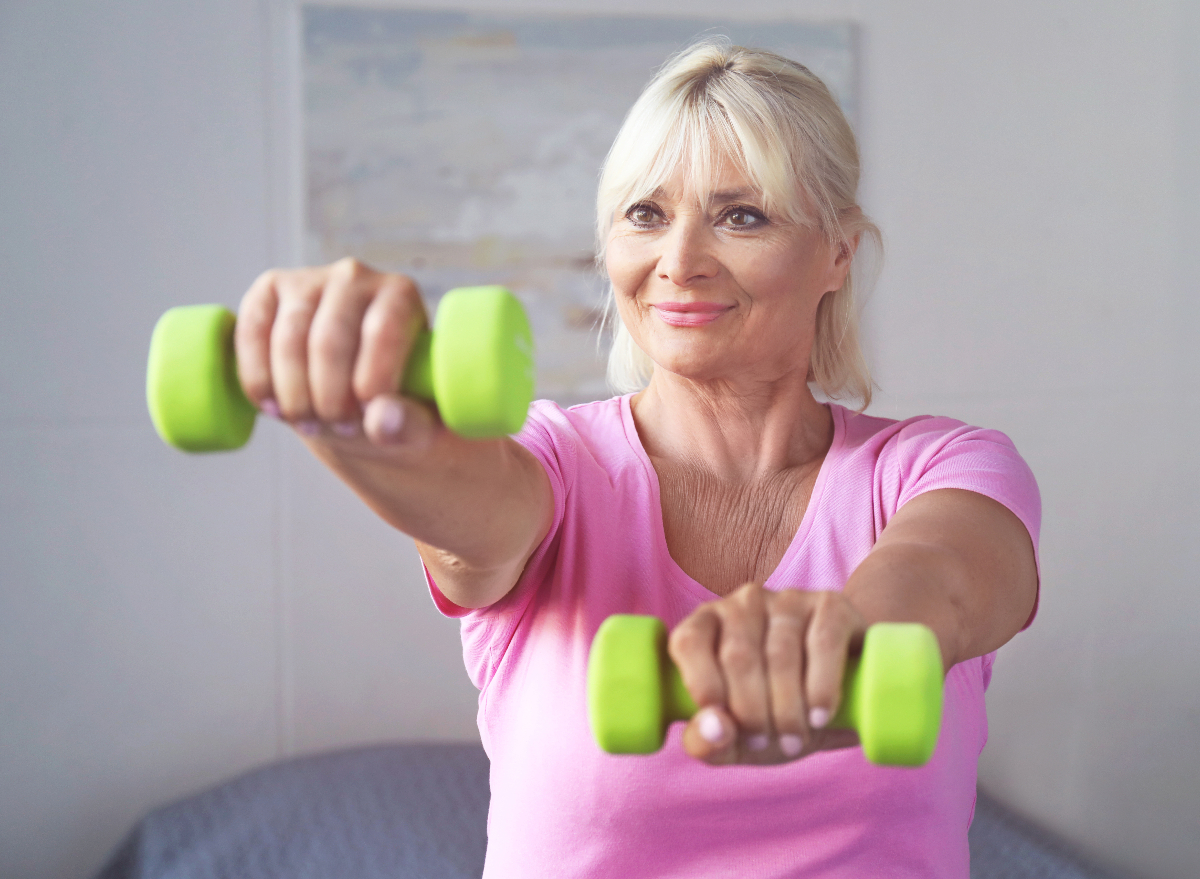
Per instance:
x=785, y=131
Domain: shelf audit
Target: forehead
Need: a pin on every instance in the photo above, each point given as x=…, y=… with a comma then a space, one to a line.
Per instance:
x=726, y=182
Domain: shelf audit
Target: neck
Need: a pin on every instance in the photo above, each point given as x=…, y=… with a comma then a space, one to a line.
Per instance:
x=738, y=431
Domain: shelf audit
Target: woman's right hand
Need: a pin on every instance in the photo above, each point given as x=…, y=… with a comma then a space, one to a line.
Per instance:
x=325, y=348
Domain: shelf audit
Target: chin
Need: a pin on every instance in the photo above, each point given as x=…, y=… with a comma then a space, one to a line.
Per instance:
x=699, y=369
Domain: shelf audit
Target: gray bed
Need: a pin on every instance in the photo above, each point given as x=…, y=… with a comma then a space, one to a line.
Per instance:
x=417, y=810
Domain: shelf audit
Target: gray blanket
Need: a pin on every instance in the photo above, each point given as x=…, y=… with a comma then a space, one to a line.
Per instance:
x=396, y=811
x=417, y=811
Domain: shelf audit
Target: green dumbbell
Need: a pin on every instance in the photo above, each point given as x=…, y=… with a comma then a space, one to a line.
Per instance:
x=476, y=365
x=891, y=695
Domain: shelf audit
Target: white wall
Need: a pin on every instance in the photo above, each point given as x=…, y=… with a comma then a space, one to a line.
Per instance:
x=167, y=621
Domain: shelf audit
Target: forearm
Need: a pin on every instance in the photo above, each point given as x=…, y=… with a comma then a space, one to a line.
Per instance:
x=958, y=562
x=476, y=508
x=920, y=584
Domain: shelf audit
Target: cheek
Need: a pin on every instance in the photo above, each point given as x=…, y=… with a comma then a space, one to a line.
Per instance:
x=626, y=268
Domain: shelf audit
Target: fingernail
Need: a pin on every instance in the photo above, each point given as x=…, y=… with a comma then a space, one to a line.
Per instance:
x=818, y=717
x=346, y=429
x=270, y=407
x=391, y=418
x=758, y=742
x=711, y=728
x=309, y=427
x=791, y=744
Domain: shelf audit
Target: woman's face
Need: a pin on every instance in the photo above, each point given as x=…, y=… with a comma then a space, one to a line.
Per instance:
x=713, y=288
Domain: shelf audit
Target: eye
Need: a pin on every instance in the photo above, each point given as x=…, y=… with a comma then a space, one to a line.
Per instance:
x=743, y=218
x=643, y=214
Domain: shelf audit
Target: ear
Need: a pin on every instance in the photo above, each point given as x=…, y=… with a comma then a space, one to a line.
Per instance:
x=846, y=250
x=843, y=255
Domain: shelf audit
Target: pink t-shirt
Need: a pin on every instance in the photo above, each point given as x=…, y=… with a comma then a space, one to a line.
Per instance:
x=563, y=808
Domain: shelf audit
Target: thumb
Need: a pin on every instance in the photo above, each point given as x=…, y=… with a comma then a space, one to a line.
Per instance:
x=711, y=736
x=392, y=420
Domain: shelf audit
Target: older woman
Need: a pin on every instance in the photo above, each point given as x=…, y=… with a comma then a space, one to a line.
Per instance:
x=766, y=527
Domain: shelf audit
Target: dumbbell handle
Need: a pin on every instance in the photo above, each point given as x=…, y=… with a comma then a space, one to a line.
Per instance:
x=477, y=370
x=679, y=705
x=891, y=694
x=418, y=372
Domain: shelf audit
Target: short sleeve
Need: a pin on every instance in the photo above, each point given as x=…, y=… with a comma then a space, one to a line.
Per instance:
x=934, y=453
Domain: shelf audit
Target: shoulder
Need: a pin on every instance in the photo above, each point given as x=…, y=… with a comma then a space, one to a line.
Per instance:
x=904, y=458
x=589, y=435
x=579, y=421
x=598, y=425
x=916, y=441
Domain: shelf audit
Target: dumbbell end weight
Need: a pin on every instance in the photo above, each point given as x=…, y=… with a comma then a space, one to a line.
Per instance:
x=893, y=695
x=477, y=364
x=633, y=694
x=195, y=399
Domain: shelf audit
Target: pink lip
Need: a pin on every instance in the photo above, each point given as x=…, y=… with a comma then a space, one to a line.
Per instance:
x=689, y=314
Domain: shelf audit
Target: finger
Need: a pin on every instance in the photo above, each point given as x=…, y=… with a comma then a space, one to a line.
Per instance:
x=392, y=420
x=692, y=646
x=711, y=736
x=333, y=341
x=784, y=653
x=389, y=326
x=252, y=339
x=298, y=299
x=831, y=630
x=740, y=653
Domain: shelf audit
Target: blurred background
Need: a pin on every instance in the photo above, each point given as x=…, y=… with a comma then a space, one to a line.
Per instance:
x=168, y=621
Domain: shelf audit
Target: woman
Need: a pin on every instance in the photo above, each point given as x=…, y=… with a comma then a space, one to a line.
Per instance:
x=768, y=529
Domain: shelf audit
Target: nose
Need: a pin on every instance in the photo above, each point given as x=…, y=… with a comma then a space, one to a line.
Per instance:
x=686, y=254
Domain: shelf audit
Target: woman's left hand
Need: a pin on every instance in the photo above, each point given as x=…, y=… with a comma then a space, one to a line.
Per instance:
x=766, y=670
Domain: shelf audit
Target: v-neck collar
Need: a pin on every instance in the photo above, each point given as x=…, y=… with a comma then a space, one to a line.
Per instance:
x=680, y=577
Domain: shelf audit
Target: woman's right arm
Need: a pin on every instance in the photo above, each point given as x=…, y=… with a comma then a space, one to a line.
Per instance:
x=324, y=349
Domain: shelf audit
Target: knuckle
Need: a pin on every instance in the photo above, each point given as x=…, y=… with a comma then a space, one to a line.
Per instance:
x=406, y=287
x=381, y=327
x=827, y=600
x=290, y=330
x=823, y=639
x=792, y=601
x=684, y=639
x=738, y=655
x=749, y=599
x=296, y=301
x=782, y=647
x=261, y=288
x=834, y=606
x=832, y=610
x=348, y=267
x=327, y=343
x=749, y=591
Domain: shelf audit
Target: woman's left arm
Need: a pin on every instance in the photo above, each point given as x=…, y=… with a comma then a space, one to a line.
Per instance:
x=766, y=667
x=957, y=561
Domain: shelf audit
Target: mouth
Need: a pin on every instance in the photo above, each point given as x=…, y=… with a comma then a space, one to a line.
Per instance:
x=689, y=314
